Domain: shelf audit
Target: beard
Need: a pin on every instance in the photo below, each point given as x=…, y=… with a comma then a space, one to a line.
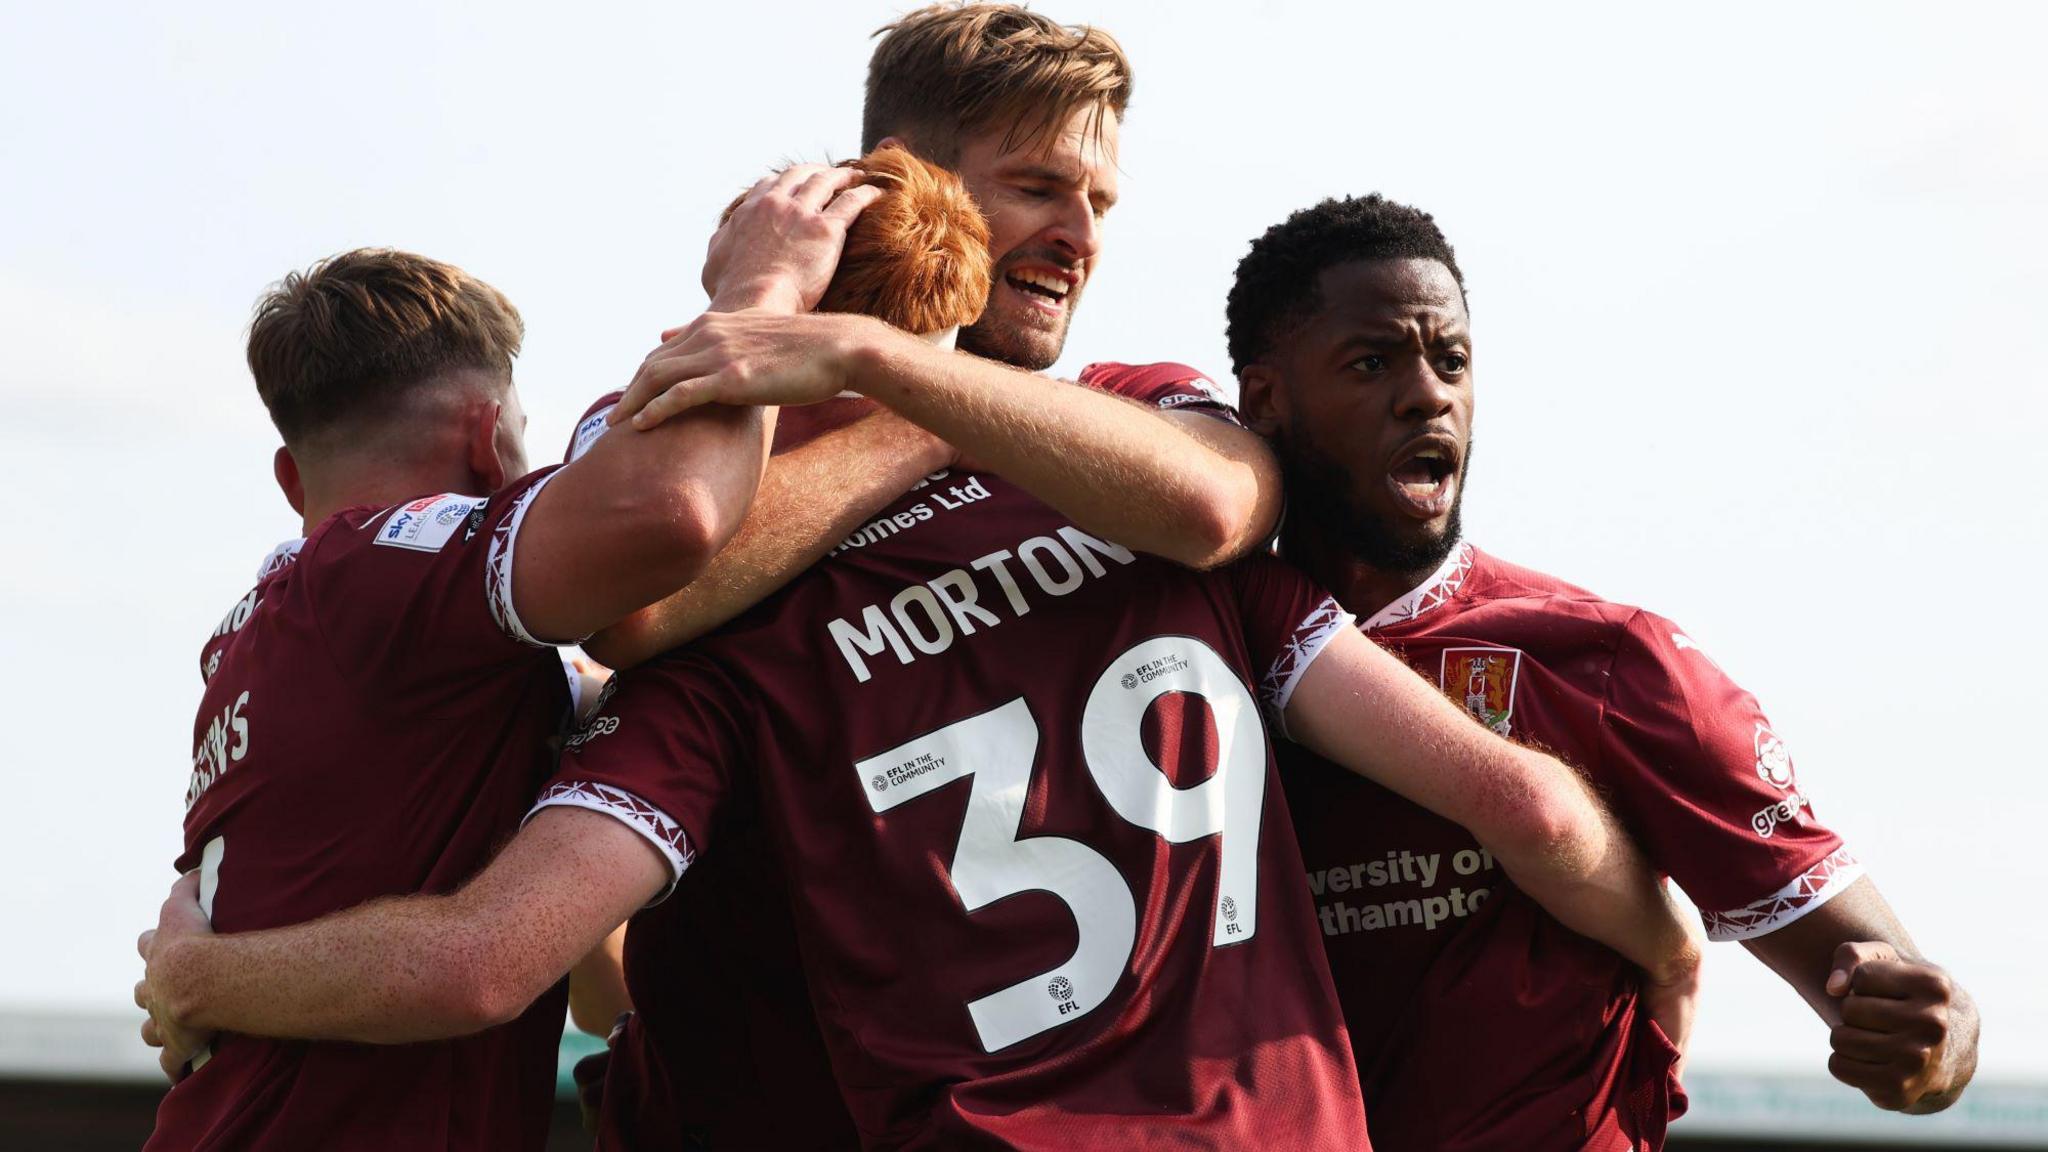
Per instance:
x=1017, y=346
x=1021, y=341
x=1322, y=503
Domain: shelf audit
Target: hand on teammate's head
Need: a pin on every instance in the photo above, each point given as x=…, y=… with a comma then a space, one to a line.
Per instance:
x=890, y=235
x=779, y=244
x=916, y=259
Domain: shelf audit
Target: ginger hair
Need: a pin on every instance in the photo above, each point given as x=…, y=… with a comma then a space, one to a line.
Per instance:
x=917, y=257
x=349, y=340
x=952, y=70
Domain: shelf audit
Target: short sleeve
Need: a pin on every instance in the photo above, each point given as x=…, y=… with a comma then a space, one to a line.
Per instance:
x=592, y=426
x=418, y=597
x=658, y=755
x=1166, y=386
x=1695, y=768
x=1288, y=620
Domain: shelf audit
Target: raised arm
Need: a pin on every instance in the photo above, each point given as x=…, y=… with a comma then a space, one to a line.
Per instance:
x=406, y=968
x=639, y=516
x=635, y=518
x=1902, y=1030
x=1184, y=486
x=811, y=498
x=1360, y=707
x=1181, y=486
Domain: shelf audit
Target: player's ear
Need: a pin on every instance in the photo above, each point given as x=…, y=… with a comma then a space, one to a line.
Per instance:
x=286, y=470
x=1260, y=398
x=486, y=463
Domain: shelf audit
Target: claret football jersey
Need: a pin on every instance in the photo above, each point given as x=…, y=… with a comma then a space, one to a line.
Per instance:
x=1015, y=781
x=1480, y=1022
x=376, y=720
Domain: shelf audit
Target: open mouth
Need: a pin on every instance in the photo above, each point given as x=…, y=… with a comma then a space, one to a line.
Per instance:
x=1424, y=477
x=1049, y=290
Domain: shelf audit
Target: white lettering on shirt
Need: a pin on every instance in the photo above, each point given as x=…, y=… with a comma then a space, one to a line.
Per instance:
x=224, y=744
x=932, y=615
x=950, y=499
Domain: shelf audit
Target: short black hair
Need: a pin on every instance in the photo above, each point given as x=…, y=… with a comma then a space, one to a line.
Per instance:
x=1276, y=285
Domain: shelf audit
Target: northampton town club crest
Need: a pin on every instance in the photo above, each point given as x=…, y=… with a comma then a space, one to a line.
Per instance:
x=1483, y=680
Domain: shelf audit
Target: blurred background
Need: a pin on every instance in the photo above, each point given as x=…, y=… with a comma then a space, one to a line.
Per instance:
x=1757, y=293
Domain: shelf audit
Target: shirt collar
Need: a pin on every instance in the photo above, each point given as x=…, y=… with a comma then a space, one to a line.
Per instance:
x=280, y=556
x=1432, y=592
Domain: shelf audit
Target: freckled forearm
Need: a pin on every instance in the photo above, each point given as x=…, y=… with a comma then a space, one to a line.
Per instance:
x=362, y=975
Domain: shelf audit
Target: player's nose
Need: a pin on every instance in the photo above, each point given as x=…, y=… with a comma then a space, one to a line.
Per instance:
x=1078, y=231
x=1420, y=392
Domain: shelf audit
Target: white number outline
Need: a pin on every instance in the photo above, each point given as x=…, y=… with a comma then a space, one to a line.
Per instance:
x=998, y=750
x=210, y=857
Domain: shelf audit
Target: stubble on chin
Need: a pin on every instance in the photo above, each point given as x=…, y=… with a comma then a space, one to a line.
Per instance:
x=1018, y=345
x=1323, y=500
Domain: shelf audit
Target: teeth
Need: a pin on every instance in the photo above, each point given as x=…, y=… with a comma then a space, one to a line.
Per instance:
x=1052, y=284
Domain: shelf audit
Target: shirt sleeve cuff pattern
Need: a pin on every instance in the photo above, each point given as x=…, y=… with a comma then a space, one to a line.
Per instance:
x=667, y=836
x=1308, y=641
x=498, y=567
x=1807, y=891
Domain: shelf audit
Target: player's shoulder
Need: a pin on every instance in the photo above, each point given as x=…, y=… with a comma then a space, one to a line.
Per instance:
x=592, y=425
x=273, y=573
x=1497, y=587
x=1165, y=383
x=1645, y=639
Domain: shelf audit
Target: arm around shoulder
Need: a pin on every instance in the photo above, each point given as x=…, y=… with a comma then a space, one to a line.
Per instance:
x=1183, y=486
x=416, y=968
x=1360, y=707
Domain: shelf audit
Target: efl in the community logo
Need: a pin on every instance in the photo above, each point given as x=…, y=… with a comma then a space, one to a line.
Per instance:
x=1483, y=680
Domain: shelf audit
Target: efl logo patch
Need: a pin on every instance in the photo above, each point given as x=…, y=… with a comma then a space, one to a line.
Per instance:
x=426, y=524
x=1483, y=680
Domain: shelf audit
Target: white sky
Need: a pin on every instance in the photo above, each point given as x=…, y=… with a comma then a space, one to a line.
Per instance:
x=1757, y=294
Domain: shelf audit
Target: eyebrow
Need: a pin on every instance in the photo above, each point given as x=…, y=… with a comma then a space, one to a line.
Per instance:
x=1051, y=175
x=1038, y=171
x=1380, y=337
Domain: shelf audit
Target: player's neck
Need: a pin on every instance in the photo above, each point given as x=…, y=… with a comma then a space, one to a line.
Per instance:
x=377, y=483
x=1360, y=587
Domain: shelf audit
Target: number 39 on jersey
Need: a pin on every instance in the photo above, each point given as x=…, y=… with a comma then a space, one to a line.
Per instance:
x=998, y=750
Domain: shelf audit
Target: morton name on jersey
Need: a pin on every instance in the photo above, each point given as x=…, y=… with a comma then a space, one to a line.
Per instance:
x=375, y=722
x=1480, y=1022
x=1037, y=859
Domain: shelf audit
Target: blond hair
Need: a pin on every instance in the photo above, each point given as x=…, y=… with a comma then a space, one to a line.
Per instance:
x=350, y=336
x=949, y=70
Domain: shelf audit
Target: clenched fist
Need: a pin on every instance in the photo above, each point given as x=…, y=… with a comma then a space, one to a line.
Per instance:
x=1908, y=1033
